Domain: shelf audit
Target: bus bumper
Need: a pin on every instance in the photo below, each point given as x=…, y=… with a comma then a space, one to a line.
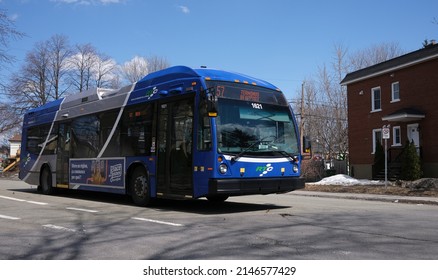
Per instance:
x=247, y=186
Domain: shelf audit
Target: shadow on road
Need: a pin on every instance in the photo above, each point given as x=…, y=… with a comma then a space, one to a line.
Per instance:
x=197, y=206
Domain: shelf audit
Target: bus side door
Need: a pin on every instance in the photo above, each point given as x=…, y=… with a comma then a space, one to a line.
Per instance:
x=63, y=155
x=175, y=146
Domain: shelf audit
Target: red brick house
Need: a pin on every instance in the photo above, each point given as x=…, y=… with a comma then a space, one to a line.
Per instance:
x=403, y=93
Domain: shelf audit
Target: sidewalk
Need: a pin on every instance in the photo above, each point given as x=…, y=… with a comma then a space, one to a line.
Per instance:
x=372, y=197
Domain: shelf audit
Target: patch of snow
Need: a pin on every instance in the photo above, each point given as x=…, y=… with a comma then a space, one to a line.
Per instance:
x=345, y=180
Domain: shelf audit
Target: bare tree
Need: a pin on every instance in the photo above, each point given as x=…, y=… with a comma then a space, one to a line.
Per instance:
x=30, y=87
x=87, y=69
x=104, y=71
x=80, y=67
x=7, y=34
x=373, y=55
x=325, y=100
x=40, y=78
x=156, y=63
x=59, y=51
x=135, y=69
x=8, y=118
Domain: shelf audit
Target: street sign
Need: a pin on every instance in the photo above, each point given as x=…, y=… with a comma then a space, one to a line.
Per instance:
x=386, y=133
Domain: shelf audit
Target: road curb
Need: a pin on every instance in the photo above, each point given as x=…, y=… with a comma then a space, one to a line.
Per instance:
x=371, y=197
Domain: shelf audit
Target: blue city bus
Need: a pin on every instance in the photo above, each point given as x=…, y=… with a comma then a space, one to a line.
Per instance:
x=177, y=133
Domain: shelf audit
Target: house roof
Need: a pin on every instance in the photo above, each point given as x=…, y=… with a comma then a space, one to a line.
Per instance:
x=427, y=53
x=15, y=138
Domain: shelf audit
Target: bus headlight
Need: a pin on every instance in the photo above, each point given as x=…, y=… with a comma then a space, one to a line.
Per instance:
x=295, y=168
x=223, y=168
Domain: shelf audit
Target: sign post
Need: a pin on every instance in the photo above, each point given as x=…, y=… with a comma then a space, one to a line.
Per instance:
x=386, y=134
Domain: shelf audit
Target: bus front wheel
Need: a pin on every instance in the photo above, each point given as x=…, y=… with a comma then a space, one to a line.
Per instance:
x=218, y=198
x=46, y=181
x=139, y=185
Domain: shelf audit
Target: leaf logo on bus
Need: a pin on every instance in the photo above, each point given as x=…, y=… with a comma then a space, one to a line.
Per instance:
x=264, y=169
x=151, y=92
x=27, y=160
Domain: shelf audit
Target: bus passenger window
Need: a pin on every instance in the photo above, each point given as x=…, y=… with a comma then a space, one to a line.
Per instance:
x=136, y=131
x=52, y=142
x=86, y=136
x=107, y=121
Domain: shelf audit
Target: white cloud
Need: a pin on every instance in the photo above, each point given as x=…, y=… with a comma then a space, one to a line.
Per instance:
x=184, y=9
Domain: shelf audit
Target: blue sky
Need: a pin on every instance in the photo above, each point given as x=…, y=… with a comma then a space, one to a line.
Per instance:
x=281, y=41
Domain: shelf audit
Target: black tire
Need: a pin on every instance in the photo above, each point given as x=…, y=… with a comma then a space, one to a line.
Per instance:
x=46, y=181
x=139, y=187
x=218, y=198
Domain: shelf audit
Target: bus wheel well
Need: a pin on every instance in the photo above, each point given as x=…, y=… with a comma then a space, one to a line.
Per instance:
x=129, y=174
x=138, y=184
x=46, y=182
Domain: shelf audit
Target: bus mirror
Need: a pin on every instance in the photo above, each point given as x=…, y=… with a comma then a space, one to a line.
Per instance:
x=211, y=102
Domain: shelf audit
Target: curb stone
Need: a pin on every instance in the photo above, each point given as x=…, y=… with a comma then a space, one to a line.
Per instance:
x=371, y=197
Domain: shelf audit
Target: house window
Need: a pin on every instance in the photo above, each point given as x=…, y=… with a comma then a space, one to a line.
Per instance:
x=377, y=137
x=376, y=99
x=396, y=136
x=395, y=90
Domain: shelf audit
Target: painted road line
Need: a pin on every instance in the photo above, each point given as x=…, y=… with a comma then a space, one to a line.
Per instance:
x=55, y=227
x=157, y=222
x=36, y=202
x=12, y=198
x=23, y=200
x=81, y=209
x=8, y=217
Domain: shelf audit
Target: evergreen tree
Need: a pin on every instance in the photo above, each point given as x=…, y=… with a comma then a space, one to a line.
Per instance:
x=379, y=157
x=411, y=165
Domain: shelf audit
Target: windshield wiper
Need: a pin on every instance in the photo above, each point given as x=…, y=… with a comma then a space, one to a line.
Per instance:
x=236, y=157
x=291, y=158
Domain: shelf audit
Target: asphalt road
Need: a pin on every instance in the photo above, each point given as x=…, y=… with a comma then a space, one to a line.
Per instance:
x=78, y=225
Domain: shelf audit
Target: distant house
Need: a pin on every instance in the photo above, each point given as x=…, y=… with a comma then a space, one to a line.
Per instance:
x=15, y=143
x=403, y=93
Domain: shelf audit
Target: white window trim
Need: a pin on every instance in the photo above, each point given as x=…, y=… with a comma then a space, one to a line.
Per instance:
x=374, y=139
x=372, y=100
x=394, y=144
x=392, y=92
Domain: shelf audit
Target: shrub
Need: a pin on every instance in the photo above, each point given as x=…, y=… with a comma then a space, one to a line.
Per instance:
x=379, y=157
x=411, y=165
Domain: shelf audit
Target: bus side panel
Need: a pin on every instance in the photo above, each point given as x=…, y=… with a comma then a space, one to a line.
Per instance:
x=31, y=168
x=203, y=170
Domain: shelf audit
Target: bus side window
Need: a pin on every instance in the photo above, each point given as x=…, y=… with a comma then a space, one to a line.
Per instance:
x=107, y=122
x=52, y=142
x=136, y=131
x=36, y=137
x=86, y=136
x=33, y=140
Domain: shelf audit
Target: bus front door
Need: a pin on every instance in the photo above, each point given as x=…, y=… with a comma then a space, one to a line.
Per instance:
x=63, y=155
x=175, y=141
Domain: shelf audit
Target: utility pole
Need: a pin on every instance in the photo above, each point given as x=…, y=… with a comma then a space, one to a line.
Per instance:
x=302, y=118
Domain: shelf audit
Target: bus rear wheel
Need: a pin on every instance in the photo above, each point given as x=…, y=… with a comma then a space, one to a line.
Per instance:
x=139, y=187
x=46, y=181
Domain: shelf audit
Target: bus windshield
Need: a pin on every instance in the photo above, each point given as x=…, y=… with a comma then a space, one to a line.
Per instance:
x=247, y=126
